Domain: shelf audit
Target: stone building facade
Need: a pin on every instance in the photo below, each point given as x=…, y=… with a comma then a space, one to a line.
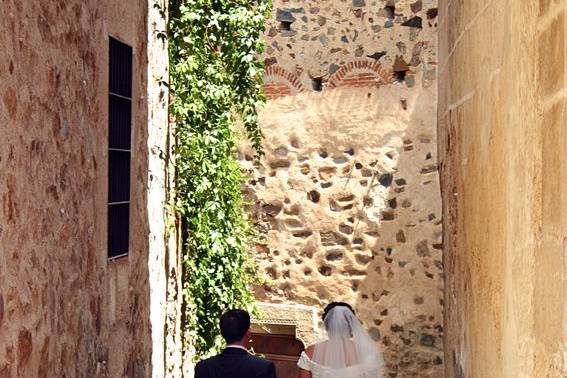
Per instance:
x=347, y=197
x=66, y=309
x=502, y=145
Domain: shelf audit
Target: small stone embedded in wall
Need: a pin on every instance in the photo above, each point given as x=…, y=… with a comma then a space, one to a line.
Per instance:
x=400, y=68
x=428, y=169
x=303, y=234
x=314, y=196
x=281, y=151
x=427, y=340
x=414, y=22
x=272, y=210
x=432, y=13
x=325, y=270
x=334, y=255
x=393, y=203
x=346, y=229
x=284, y=16
x=270, y=61
x=386, y=179
x=410, y=81
x=374, y=334
x=316, y=72
x=340, y=160
x=389, y=11
x=388, y=215
x=331, y=238
x=417, y=6
x=280, y=164
x=333, y=68
x=377, y=55
x=400, y=236
x=422, y=249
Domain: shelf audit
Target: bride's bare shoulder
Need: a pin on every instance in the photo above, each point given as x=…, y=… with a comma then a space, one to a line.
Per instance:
x=309, y=351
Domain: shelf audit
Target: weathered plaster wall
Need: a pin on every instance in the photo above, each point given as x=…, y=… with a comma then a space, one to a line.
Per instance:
x=163, y=260
x=64, y=309
x=347, y=195
x=503, y=142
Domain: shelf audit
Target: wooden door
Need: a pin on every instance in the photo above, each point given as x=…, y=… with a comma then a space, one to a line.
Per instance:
x=282, y=350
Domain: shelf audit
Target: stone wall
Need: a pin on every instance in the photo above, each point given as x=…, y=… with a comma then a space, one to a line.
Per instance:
x=347, y=196
x=163, y=259
x=65, y=310
x=503, y=142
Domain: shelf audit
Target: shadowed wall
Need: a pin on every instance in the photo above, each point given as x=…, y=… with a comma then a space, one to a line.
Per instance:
x=502, y=148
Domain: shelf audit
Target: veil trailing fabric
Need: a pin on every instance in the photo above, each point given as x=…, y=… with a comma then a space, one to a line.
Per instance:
x=348, y=351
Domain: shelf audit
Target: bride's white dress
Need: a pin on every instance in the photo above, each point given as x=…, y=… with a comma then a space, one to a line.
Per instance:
x=346, y=352
x=370, y=369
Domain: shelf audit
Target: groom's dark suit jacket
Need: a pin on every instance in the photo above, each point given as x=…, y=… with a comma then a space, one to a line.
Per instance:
x=235, y=363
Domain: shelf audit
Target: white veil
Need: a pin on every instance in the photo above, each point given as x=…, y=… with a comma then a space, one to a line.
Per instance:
x=348, y=351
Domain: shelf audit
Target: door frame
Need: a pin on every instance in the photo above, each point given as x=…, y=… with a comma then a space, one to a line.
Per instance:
x=298, y=320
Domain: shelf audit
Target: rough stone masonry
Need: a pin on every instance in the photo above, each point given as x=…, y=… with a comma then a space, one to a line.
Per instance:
x=66, y=310
x=347, y=196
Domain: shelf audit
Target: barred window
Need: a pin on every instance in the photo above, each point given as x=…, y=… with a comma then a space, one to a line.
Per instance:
x=119, y=147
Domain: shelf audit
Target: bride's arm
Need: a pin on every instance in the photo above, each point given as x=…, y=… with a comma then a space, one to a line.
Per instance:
x=306, y=373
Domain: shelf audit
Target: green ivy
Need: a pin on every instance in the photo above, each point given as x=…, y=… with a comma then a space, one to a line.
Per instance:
x=216, y=83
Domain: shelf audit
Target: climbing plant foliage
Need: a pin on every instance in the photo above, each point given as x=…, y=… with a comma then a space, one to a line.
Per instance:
x=215, y=83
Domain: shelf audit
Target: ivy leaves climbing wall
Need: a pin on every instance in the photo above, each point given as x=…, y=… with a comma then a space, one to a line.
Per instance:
x=215, y=81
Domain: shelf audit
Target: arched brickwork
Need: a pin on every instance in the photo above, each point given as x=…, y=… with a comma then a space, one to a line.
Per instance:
x=360, y=73
x=278, y=82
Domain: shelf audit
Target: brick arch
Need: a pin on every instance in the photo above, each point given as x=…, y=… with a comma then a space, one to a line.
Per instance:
x=360, y=73
x=278, y=82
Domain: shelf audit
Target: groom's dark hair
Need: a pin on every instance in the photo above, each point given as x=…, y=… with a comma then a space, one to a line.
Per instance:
x=234, y=324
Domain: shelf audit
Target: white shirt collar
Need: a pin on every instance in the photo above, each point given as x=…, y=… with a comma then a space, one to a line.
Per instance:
x=237, y=346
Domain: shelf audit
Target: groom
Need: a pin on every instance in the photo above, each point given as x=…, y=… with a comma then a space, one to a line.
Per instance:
x=235, y=361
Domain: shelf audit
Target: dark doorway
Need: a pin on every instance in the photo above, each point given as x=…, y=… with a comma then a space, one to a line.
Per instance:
x=282, y=349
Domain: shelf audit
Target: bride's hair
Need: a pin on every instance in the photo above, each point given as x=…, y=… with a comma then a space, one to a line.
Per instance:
x=332, y=305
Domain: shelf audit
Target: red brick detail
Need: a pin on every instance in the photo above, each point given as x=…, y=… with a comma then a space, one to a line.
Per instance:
x=279, y=82
x=373, y=74
x=276, y=90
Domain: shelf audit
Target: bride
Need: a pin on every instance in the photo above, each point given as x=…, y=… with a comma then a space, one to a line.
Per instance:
x=347, y=352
